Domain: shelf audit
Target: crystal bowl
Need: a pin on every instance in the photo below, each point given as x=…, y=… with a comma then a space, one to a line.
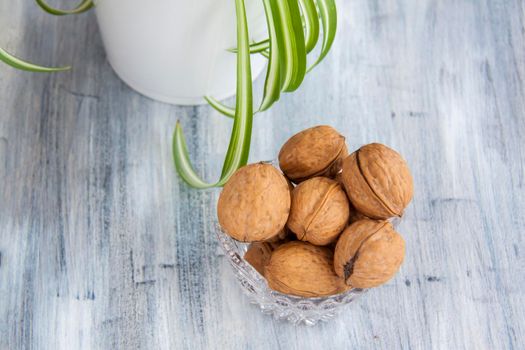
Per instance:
x=297, y=310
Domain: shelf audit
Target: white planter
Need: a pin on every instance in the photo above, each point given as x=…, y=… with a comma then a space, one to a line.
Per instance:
x=175, y=50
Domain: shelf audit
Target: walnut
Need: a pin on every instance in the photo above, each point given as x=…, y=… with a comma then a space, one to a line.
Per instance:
x=255, y=203
x=319, y=211
x=317, y=151
x=259, y=253
x=368, y=253
x=305, y=270
x=377, y=181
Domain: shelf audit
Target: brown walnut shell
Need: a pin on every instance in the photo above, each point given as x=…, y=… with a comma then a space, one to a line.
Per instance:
x=378, y=181
x=254, y=204
x=368, y=253
x=258, y=255
x=355, y=215
x=318, y=151
x=319, y=212
x=304, y=270
x=284, y=236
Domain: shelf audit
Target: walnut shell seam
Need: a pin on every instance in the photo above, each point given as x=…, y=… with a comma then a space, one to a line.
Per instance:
x=318, y=208
x=381, y=199
x=331, y=169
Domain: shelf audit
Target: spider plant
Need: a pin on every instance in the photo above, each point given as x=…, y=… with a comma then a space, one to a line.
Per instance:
x=294, y=30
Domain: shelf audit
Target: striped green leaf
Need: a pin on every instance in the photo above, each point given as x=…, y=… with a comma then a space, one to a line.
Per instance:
x=272, y=84
x=311, y=23
x=84, y=6
x=183, y=162
x=239, y=147
x=256, y=47
x=328, y=14
x=293, y=55
x=18, y=63
x=219, y=107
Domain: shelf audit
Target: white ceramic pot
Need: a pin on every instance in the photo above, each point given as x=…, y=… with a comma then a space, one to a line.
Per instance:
x=175, y=50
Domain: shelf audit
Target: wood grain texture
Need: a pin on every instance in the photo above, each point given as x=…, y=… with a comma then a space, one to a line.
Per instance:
x=102, y=247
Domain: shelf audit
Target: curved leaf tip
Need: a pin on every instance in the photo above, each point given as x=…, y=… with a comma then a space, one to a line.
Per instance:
x=84, y=6
x=21, y=64
x=239, y=147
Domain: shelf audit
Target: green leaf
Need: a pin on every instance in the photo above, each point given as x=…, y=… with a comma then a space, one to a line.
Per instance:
x=239, y=148
x=293, y=55
x=219, y=107
x=183, y=163
x=311, y=23
x=265, y=53
x=255, y=47
x=328, y=14
x=27, y=66
x=84, y=6
x=272, y=84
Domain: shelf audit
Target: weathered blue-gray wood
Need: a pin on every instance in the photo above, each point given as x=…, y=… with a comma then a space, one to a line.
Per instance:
x=102, y=247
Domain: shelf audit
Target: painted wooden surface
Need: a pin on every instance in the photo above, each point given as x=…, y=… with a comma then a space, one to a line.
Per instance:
x=102, y=247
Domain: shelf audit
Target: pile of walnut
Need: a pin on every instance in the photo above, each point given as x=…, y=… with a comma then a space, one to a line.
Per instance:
x=329, y=233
